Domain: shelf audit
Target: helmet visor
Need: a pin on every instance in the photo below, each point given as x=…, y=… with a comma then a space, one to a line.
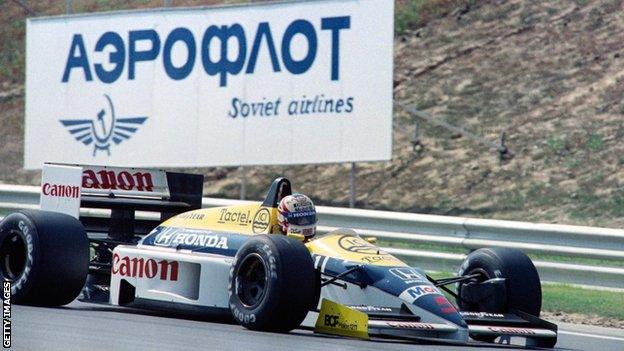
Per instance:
x=301, y=218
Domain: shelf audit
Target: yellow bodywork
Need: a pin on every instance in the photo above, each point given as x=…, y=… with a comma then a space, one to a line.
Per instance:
x=254, y=218
x=337, y=319
x=248, y=219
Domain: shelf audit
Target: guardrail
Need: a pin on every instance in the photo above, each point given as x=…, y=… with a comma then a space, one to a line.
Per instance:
x=398, y=230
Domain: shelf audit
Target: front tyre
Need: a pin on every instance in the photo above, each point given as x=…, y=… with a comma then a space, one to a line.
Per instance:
x=272, y=283
x=523, y=290
x=45, y=256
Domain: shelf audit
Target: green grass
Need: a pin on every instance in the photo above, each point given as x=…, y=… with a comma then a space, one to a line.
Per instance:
x=557, y=143
x=595, y=142
x=590, y=205
x=417, y=13
x=568, y=299
x=407, y=16
x=563, y=298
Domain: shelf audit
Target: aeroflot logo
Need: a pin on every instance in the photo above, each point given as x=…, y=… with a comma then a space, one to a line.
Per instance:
x=145, y=268
x=104, y=130
x=237, y=46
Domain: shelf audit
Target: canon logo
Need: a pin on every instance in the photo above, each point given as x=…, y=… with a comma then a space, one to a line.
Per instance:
x=411, y=325
x=60, y=190
x=145, y=268
x=516, y=331
x=124, y=180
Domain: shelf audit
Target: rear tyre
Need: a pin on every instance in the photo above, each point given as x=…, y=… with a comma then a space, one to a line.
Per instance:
x=45, y=256
x=523, y=290
x=272, y=283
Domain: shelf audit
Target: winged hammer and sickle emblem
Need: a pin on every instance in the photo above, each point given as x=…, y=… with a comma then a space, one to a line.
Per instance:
x=104, y=129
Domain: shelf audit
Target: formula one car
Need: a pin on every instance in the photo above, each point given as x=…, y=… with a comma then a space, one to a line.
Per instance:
x=227, y=261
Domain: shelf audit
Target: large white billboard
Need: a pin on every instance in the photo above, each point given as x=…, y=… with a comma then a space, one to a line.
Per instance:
x=282, y=83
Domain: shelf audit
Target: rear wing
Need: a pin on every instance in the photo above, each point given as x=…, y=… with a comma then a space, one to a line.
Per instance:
x=123, y=191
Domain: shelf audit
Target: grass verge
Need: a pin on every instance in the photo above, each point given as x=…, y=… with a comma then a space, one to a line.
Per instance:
x=564, y=298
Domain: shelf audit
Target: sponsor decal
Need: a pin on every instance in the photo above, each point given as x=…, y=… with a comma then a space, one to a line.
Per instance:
x=172, y=237
x=242, y=316
x=60, y=190
x=293, y=230
x=508, y=330
x=115, y=179
x=445, y=306
x=334, y=321
x=364, y=308
x=104, y=130
x=239, y=46
x=29, y=257
x=243, y=218
x=413, y=293
x=408, y=275
x=191, y=215
x=378, y=258
x=481, y=314
x=358, y=245
x=411, y=325
x=261, y=220
x=302, y=204
x=145, y=268
x=337, y=319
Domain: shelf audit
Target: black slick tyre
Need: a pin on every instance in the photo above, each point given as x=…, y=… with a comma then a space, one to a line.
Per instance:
x=523, y=288
x=45, y=256
x=272, y=283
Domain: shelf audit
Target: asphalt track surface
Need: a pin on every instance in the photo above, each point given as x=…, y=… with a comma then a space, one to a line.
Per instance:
x=83, y=326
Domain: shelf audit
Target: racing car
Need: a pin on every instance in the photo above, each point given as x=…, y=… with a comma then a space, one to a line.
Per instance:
x=232, y=262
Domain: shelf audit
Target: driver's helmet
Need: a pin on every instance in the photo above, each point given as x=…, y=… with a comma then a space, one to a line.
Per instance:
x=296, y=215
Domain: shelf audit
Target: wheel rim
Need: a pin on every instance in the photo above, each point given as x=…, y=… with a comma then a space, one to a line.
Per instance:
x=13, y=256
x=484, y=275
x=251, y=281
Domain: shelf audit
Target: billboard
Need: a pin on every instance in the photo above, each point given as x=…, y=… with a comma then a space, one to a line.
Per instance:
x=281, y=83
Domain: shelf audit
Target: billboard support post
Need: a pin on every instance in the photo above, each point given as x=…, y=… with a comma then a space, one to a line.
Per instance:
x=243, y=190
x=352, y=185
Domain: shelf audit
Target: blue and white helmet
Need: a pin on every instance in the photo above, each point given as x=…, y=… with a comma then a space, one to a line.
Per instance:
x=297, y=215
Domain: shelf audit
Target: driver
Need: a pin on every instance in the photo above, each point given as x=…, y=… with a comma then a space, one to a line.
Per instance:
x=296, y=215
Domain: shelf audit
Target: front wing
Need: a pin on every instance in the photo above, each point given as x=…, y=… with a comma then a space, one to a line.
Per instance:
x=481, y=326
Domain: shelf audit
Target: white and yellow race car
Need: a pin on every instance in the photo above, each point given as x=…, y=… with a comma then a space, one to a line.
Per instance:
x=232, y=262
